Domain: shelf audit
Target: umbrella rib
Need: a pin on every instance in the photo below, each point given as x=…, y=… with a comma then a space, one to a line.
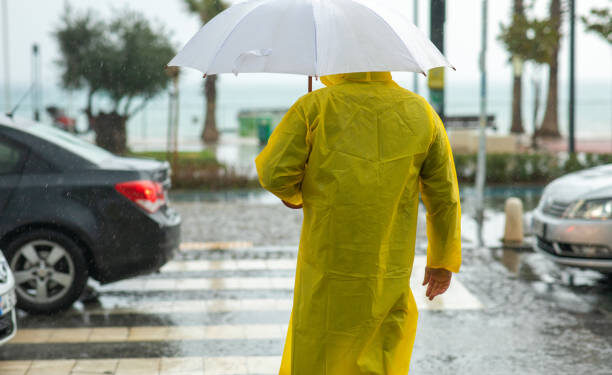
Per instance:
x=231, y=33
x=316, y=42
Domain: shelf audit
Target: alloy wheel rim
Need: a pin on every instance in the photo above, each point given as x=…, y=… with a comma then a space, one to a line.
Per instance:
x=43, y=271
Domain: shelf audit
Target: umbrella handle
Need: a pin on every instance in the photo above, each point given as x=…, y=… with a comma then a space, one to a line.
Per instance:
x=309, y=83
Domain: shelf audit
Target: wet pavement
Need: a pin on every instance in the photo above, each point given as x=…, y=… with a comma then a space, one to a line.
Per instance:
x=222, y=306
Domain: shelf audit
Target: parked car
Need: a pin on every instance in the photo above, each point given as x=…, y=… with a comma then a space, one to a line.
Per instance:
x=70, y=210
x=573, y=221
x=8, y=324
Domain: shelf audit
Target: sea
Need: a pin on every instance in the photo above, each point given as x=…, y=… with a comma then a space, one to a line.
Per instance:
x=148, y=128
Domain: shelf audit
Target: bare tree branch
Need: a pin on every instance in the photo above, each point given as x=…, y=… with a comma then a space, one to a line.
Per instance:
x=128, y=103
x=143, y=104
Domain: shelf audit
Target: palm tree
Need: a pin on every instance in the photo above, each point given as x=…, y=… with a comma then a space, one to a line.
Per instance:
x=600, y=22
x=206, y=10
x=517, y=83
x=550, y=123
x=522, y=49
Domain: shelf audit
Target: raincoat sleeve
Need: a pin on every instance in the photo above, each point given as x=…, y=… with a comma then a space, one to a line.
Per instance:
x=282, y=162
x=440, y=194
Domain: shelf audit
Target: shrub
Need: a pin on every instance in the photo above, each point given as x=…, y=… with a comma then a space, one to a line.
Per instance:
x=200, y=170
x=526, y=168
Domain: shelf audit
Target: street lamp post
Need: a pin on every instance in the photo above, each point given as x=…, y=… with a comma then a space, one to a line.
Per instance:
x=482, y=146
x=36, y=85
x=5, y=47
x=572, y=87
x=435, y=78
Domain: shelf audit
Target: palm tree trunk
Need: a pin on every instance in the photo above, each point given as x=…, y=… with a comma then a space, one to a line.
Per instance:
x=536, y=111
x=517, y=83
x=517, y=106
x=207, y=9
x=210, y=134
x=550, y=123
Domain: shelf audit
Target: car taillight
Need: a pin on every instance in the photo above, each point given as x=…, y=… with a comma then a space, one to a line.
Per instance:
x=149, y=195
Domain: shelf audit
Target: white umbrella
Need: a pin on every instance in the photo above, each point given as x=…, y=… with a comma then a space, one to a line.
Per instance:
x=310, y=37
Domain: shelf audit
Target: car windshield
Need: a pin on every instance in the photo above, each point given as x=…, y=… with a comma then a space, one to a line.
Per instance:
x=70, y=142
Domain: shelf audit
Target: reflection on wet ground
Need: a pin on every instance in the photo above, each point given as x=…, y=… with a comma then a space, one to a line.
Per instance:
x=512, y=260
x=585, y=294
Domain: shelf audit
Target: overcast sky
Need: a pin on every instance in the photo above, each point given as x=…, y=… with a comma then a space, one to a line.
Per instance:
x=32, y=21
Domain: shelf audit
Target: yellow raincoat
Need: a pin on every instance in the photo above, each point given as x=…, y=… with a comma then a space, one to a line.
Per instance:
x=356, y=154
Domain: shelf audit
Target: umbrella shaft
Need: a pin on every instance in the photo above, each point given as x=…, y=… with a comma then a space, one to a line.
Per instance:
x=309, y=83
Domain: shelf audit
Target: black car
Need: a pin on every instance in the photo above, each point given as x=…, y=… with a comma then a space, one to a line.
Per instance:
x=70, y=210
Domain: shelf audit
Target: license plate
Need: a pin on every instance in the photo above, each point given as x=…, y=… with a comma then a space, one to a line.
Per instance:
x=7, y=302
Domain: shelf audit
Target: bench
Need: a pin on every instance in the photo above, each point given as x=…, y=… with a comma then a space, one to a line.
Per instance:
x=468, y=122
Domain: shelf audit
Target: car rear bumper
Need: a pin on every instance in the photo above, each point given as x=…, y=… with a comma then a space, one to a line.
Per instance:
x=556, y=238
x=142, y=248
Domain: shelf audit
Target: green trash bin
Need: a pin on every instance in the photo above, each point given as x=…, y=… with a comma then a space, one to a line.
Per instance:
x=248, y=126
x=264, y=129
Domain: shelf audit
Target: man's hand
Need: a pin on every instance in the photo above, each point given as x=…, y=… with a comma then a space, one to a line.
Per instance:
x=438, y=279
x=293, y=205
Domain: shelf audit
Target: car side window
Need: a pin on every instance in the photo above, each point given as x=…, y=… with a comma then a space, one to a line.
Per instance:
x=10, y=157
x=36, y=165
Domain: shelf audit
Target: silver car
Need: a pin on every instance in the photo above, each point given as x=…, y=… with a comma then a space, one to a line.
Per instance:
x=8, y=325
x=573, y=221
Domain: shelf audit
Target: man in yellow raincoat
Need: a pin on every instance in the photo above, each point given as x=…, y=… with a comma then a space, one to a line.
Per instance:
x=355, y=155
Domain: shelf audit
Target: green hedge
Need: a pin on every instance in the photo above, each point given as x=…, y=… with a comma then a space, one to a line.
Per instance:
x=200, y=170
x=205, y=158
x=526, y=168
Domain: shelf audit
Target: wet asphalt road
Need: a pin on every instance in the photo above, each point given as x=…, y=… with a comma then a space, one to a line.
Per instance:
x=224, y=311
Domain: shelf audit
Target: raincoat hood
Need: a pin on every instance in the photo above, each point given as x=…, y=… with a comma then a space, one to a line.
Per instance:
x=335, y=79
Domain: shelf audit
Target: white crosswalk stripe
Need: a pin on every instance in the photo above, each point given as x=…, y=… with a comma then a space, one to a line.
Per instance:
x=457, y=297
x=229, y=265
x=241, y=245
x=216, y=283
x=191, y=306
x=131, y=301
x=151, y=333
x=231, y=365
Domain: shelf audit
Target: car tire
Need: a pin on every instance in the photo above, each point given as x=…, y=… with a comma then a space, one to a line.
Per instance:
x=50, y=270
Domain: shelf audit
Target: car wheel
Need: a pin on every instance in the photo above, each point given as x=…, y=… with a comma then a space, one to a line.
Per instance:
x=49, y=268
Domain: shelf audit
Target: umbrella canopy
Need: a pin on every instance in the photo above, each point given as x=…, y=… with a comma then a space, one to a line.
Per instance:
x=310, y=37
